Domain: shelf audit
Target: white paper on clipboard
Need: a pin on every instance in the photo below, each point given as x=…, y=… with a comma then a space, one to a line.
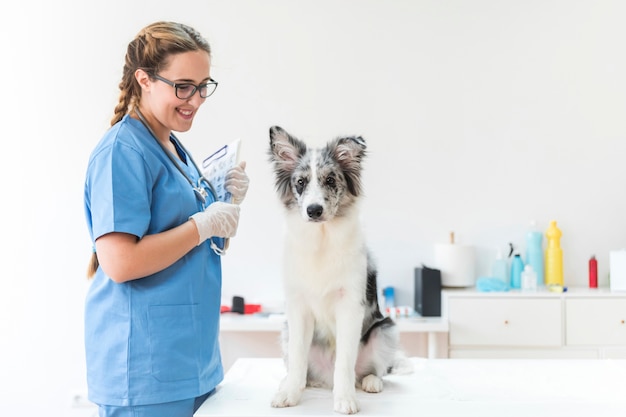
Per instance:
x=215, y=167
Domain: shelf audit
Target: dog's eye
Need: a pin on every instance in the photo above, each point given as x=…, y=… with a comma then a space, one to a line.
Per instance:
x=330, y=181
x=300, y=183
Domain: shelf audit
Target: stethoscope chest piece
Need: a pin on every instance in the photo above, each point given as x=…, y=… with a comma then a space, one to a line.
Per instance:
x=201, y=194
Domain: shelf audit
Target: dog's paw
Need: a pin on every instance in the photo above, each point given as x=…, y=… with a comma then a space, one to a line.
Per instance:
x=285, y=398
x=372, y=383
x=346, y=405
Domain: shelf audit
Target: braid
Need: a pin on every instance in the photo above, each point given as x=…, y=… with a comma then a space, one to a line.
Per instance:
x=122, y=106
x=93, y=265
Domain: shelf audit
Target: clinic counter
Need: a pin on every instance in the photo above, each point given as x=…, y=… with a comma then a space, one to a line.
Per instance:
x=233, y=326
x=442, y=387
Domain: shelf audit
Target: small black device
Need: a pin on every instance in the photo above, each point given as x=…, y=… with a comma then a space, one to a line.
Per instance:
x=428, y=291
x=238, y=305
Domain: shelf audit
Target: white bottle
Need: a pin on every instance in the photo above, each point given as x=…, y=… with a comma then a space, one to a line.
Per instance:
x=529, y=279
x=500, y=268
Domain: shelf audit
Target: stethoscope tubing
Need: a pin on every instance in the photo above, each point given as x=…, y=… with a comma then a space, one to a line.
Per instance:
x=199, y=190
x=201, y=180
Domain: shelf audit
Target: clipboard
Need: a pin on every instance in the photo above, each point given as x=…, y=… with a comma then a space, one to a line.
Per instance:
x=216, y=165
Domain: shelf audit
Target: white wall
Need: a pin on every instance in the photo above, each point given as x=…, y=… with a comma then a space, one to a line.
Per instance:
x=479, y=116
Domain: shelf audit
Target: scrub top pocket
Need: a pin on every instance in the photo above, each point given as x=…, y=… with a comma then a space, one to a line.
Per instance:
x=174, y=343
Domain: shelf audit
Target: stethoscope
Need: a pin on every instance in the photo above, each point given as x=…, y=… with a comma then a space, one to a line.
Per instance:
x=199, y=189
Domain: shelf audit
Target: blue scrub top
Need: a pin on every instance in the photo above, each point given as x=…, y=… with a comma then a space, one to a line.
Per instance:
x=153, y=339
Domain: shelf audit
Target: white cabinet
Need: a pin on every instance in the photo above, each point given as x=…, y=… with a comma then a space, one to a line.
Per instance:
x=501, y=322
x=580, y=323
x=595, y=321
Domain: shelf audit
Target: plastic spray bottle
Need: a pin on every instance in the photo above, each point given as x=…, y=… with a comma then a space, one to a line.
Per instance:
x=517, y=266
x=554, y=256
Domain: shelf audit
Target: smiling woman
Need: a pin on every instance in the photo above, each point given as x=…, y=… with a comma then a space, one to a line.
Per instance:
x=152, y=311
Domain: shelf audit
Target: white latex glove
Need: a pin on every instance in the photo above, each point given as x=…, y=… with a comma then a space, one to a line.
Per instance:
x=236, y=182
x=219, y=219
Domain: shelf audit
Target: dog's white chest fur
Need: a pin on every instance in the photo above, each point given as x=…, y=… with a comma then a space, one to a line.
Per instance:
x=324, y=263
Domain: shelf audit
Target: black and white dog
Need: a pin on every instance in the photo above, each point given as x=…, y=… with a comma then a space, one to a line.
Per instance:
x=336, y=336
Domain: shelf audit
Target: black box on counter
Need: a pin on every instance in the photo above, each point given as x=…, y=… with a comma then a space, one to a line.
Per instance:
x=428, y=292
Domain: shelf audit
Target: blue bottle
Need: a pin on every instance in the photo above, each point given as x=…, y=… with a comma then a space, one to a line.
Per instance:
x=517, y=266
x=390, y=298
x=534, y=253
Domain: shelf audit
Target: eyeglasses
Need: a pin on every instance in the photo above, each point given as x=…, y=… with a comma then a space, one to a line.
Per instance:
x=185, y=91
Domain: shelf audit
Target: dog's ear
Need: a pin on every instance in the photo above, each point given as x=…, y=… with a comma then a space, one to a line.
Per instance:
x=349, y=151
x=285, y=150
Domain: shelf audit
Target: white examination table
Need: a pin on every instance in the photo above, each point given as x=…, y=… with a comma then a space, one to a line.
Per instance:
x=443, y=387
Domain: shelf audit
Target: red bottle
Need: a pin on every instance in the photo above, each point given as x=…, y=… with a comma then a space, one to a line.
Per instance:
x=593, y=272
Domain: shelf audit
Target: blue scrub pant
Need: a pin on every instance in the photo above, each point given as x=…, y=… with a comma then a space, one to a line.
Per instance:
x=183, y=408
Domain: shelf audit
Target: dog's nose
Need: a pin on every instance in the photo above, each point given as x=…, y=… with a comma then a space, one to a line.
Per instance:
x=314, y=211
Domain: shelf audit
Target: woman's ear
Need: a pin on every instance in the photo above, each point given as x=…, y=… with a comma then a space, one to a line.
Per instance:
x=143, y=79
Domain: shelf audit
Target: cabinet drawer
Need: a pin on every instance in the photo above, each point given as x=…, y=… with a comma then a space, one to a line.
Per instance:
x=518, y=322
x=595, y=321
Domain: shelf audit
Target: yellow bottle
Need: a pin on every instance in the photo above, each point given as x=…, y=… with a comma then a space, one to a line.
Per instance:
x=554, y=256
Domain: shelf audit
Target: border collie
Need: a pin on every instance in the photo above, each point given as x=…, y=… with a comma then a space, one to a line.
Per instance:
x=336, y=336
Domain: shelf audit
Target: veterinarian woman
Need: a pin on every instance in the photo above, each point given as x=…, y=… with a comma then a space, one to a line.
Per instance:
x=152, y=311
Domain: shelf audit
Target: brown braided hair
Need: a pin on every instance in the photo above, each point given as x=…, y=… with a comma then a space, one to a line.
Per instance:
x=150, y=51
